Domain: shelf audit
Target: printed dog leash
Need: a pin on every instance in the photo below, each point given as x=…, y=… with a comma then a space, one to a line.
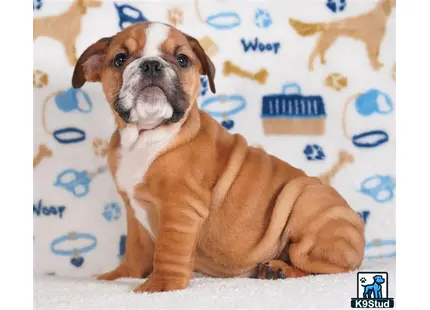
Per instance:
x=366, y=104
x=67, y=101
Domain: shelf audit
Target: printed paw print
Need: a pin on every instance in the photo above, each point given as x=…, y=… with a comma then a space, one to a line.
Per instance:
x=204, y=86
x=112, y=212
x=314, y=152
x=100, y=147
x=262, y=18
x=37, y=4
x=336, y=5
x=363, y=280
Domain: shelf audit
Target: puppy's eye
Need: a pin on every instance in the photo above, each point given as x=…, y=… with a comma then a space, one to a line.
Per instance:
x=183, y=61
x=119, y=59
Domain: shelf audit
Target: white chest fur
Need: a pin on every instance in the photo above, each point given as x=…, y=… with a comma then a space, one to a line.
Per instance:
x=136, y=156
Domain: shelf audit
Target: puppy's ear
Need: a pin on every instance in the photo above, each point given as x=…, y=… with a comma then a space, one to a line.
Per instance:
x=89, y=65
x=208, y=67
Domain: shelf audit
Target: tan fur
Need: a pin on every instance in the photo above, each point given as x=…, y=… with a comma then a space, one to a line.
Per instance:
x=370, y=28
x=65, y=27
x=219, y=206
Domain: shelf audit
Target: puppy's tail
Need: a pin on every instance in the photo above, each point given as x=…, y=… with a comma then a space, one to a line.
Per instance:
x=306, y=29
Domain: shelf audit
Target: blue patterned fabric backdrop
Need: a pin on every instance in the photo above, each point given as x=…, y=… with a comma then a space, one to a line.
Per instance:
x=310, y=81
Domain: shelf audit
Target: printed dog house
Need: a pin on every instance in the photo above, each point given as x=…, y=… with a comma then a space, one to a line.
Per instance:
x=293, y=113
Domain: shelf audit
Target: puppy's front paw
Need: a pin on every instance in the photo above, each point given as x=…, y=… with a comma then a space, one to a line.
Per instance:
x=160, y=284
x=122, y=271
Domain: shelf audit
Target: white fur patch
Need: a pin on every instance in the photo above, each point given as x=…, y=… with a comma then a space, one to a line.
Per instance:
x=135, y=161
x=156, y=34
x=142, y=216
x=152, y=115
x=129, y=136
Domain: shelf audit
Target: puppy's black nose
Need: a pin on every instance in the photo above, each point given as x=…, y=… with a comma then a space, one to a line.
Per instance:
x=151, y=67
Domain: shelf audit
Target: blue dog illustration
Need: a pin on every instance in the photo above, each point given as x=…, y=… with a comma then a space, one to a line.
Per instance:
x=374, y=289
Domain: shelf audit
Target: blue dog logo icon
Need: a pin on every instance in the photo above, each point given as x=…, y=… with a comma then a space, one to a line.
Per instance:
x=374, y=289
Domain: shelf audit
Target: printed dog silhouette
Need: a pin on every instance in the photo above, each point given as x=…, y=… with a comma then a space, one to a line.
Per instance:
x=374, y=289
x=369, y=28
x=65, y=27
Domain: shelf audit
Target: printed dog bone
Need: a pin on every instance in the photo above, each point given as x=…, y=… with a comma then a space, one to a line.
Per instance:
x=344, y=158
x=210, y=47
x=256, y=45
x=230, y=68
x=43, y=152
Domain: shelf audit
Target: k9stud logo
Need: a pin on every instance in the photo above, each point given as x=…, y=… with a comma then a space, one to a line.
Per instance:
x=372, y=291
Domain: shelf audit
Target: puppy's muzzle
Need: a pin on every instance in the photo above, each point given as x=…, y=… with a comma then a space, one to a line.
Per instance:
x=122, y=112
x=151, y=68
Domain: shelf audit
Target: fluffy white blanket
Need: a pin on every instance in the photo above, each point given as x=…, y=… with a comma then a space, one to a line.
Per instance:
x=314, y=292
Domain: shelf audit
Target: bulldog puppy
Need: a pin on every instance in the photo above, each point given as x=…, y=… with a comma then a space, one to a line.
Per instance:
x=197, y=197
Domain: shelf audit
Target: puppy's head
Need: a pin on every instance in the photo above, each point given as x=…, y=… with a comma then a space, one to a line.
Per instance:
x=150, y=73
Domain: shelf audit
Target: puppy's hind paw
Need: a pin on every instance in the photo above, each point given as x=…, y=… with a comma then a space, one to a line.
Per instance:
x=277, y=269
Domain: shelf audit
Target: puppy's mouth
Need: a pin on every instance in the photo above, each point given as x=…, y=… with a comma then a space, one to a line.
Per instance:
x=150, y=103
x=150, y=94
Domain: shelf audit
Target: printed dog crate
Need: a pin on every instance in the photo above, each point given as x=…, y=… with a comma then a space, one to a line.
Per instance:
x=293, y=113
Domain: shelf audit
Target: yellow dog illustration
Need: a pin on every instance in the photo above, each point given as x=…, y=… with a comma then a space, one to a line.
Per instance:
x=369, y=28
x=65, y=27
